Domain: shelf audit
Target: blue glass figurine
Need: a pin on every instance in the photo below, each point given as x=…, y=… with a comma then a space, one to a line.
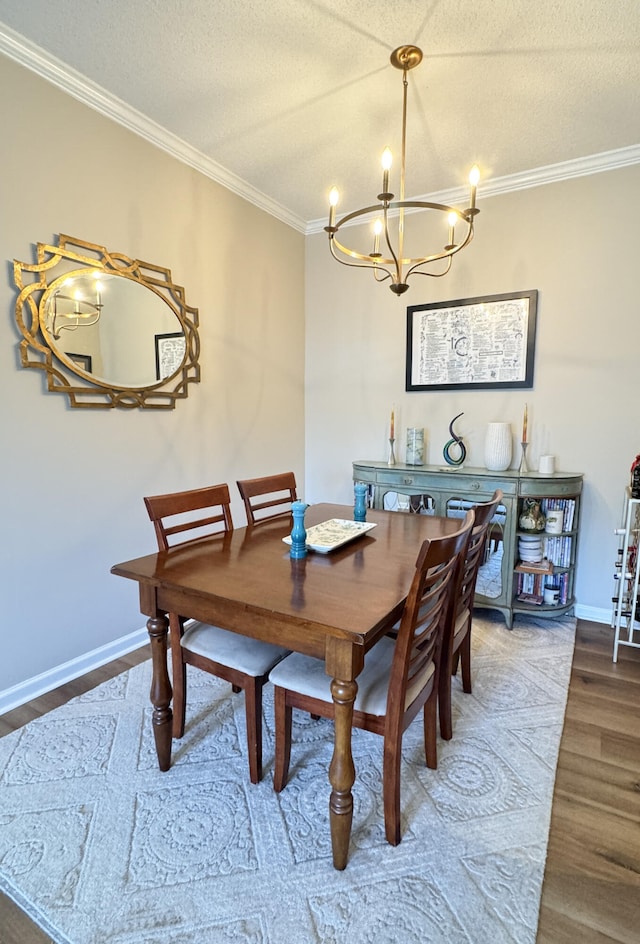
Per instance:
x=298, y=532
x=360, y=507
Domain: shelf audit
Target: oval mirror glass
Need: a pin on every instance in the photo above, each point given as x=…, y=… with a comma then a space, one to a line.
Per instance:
x=112, y=328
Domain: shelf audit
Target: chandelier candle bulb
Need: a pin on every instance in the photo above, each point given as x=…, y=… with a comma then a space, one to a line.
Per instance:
x=377, y=229
x=334, y=196
x=474, y=178
x=452, y=223
x=387, y=159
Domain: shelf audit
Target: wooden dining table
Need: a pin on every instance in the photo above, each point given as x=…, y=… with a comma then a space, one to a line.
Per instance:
x=334, y=606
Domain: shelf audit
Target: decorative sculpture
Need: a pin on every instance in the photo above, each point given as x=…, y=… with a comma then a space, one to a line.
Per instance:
x=455, y=442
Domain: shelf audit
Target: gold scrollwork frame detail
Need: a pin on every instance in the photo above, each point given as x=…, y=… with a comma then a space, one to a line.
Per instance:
x=32, y=281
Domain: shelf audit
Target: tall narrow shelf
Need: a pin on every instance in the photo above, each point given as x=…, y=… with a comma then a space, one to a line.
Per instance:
x=448, y=491
x=625, y=600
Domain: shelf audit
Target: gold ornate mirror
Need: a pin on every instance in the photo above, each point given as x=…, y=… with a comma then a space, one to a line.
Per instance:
x=109, y=331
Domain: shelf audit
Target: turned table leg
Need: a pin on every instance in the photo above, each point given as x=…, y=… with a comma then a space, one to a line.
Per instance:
x=160, y=690
x=342, y=772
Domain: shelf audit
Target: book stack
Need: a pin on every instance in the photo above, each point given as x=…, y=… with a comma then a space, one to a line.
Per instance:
x=558, y=550
x=566, y=505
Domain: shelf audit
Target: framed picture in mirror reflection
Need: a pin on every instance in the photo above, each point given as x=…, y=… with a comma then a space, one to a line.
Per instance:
x=170, y=351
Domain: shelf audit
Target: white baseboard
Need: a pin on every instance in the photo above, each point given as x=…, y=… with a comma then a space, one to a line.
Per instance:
x=40, y=684
x=593, y=613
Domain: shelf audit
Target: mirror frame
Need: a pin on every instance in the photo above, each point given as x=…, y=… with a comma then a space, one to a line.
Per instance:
x=32, y=281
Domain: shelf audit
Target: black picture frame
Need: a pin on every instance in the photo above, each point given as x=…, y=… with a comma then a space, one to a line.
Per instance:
x=481, y=343
x=83, y=361
x=170, y=352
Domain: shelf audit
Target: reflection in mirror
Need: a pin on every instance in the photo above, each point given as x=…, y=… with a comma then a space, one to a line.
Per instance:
x=119, y=326
x=413, y=504
x=489, y=581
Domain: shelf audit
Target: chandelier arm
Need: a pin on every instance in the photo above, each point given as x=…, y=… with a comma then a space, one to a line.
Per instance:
x=414, y=270
x=465, y=215
x=365, y=211
x=397, y=264
x=357, y=255
x=436, y=256
x=71, y=327
x=67, y=327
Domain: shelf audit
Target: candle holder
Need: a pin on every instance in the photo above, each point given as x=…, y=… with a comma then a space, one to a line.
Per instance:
x=523, y=461
x=392, y=456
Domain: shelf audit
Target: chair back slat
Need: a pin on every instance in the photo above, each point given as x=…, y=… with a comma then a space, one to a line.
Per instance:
x=180, y=509
x=426, y=612
x=280, y=489
x=475, y=554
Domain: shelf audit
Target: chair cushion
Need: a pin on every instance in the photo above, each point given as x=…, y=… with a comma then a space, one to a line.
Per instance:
x=250, y=656
x=307, y=675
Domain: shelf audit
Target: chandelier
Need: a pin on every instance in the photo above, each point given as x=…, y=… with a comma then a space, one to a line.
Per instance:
x=80, y=310
x=395, y=266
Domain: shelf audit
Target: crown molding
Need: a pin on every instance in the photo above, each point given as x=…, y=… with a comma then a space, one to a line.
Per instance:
x=48, y=67
x=538, y=177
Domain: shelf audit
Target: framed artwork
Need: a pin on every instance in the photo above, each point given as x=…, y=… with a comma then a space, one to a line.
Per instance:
x=83, y=361
x=472, y=343
x=170, y=351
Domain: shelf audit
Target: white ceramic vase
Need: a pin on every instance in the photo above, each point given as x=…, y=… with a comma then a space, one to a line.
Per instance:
x=498, y=447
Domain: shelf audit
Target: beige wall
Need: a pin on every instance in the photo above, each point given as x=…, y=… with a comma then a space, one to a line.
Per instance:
x=577, y=243
x=74, y=479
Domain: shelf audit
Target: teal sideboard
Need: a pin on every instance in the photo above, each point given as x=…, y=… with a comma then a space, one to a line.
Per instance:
x=504, y=583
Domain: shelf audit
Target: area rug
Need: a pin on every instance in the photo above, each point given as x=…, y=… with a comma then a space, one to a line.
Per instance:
x=97, y=845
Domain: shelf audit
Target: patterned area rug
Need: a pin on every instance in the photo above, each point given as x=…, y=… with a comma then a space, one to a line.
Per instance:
x=97, y=845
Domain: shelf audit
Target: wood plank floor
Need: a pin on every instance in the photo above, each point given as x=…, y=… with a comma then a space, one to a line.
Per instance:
x=591, y=891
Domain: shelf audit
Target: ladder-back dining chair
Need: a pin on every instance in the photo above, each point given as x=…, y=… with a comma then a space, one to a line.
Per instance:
x=268, y=492
x=399, y=678
x=180, y=518
x=456, y=648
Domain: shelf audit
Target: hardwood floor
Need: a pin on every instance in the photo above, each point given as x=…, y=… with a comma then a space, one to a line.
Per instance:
x=591, y=891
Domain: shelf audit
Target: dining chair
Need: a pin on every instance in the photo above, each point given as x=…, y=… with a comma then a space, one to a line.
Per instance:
x=456, y=647
x=399, y=678
x=181, y=518
x=280, y=490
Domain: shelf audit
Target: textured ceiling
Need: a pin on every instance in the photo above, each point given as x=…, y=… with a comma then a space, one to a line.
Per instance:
x=293, y=96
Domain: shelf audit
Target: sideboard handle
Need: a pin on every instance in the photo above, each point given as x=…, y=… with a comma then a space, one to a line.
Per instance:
x=407, y=480
x=475, y=486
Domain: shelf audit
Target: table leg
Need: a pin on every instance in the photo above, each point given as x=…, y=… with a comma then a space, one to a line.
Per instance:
x=342, y=772
x=157, y=628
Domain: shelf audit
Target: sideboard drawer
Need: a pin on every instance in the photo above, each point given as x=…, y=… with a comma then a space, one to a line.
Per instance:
x=542, y=486
x=454, y=483
x=398, y=479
